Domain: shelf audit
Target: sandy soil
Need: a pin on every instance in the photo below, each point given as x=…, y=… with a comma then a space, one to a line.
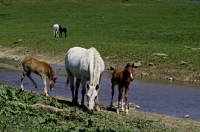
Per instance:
x=182, y=124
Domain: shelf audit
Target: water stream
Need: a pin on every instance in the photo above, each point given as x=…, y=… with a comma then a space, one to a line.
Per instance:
x=154, y=96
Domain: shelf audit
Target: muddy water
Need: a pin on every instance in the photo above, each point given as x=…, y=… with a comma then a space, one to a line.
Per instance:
x=153, y=96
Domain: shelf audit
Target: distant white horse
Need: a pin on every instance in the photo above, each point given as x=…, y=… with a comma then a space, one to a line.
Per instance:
x=55, y=30
x=85, y=65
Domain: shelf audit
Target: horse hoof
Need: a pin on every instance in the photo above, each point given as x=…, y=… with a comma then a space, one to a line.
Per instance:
x=111, y=106
x=21, y=89
x=75, y=102
x=117, y=111
x=126, y=112
x=97, y=108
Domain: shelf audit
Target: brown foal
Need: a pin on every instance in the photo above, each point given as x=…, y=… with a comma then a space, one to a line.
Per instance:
x=40, y=68
x=122, y=78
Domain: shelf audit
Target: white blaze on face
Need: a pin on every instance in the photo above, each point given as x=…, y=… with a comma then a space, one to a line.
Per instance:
x=91, y=95
x=131, y=75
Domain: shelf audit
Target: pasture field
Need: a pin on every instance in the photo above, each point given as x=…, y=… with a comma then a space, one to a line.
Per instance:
x=120, y=31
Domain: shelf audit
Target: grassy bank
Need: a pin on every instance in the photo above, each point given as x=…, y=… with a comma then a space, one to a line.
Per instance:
x=123, y=31
x=19, y=113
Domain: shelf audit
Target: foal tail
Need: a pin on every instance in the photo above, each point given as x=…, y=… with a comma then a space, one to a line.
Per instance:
x=19, y=63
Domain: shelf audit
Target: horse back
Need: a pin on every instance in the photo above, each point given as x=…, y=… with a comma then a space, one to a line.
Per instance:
x=76, y=62
x=55, y=27
x=64, y=30
x=36, y=66
x=118, y=78
x=79, y=62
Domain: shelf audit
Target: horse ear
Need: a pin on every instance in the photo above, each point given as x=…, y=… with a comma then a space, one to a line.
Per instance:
x=87, y=86
x=97, y=86
x=127, y=65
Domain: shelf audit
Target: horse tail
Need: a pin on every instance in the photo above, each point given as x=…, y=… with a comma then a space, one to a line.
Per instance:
x=19, y=63
x=113, y=77
x=67, y=82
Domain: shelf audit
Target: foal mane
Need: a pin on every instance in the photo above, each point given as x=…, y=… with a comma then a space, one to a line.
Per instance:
x=125, y=72
x=51, y=72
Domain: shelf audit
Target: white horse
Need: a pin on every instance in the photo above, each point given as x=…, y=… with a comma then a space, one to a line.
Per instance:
x=55, y=30
x=85, y=65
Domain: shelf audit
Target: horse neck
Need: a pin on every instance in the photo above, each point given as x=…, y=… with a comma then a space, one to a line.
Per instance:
x=95, y=69
x=125, y=75
x=51, y=73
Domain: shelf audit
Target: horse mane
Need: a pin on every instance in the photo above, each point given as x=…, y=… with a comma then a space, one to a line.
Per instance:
x=51, y=73
x=94, y=66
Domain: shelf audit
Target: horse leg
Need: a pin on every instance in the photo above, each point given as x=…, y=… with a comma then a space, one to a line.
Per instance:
x=28, y=74
x=83, y=82
x=83, y=94
x=97, y=103
x=76, y=91
x=71, y=81
x=126, y=99
x=56, y=34
x=22, y=80
x=112, y=93
x=122, y=103
x=45, y=85
x=120, y=100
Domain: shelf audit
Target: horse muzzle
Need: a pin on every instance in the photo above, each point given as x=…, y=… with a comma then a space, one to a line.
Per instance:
x=90, y=111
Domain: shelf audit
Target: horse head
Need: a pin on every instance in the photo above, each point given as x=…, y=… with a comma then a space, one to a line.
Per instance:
x=129, y=69
x=52, y=82
x=60, y=27
x=92, y=96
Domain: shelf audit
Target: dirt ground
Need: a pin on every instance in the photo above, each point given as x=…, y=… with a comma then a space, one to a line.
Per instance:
x=168, y=72
x=161, y=72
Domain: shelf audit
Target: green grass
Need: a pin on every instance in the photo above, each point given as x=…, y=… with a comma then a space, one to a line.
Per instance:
x=17, y=115
x=123, y=31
